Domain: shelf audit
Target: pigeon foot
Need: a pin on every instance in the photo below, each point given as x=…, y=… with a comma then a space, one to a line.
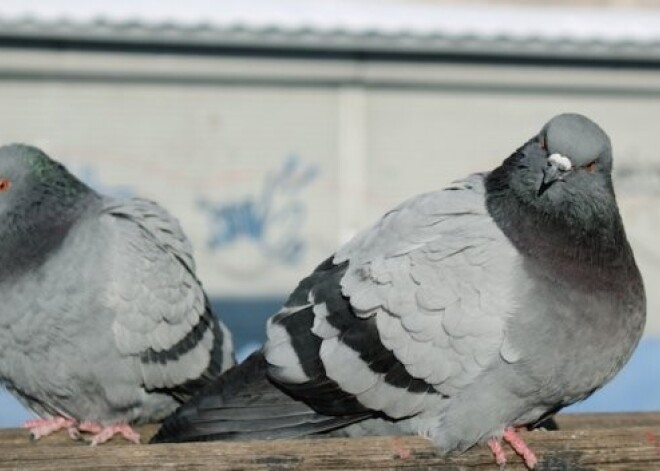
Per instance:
x=103, y=434
x=42, y=427
x=498, y=452
x=519, y=446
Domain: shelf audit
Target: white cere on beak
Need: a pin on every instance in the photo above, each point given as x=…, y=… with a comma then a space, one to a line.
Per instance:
x=562, y=162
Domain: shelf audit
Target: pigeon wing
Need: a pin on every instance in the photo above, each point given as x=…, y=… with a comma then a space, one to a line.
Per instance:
x=409, y=310
x=163, y=319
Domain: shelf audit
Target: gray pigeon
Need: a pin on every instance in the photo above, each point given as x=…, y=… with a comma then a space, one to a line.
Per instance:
x=103, y=323
x=461, y=315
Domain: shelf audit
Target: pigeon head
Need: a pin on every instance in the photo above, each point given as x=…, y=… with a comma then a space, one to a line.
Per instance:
x=578, y=151
x=563, y=172
x=39, y=200
x=570, y=159
x=556, y=190
x=30, y=180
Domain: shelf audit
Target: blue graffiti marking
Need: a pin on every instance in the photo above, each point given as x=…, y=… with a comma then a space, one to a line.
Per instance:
x=273, y=219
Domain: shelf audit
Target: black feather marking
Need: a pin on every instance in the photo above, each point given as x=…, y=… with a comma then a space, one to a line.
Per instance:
x=362, y=335
x=300, y=296
x=320, y=392
x=183, y=346
x=305, y=344
x=184, y=391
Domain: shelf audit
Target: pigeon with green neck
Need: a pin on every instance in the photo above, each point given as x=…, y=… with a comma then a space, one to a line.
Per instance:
x=103, y=322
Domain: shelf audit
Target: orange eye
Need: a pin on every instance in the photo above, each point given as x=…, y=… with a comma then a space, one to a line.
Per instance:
x=590, y=167
x=4, y=184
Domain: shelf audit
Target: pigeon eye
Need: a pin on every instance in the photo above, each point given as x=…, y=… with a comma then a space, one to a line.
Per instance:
x=5, y=183
x=591, y=167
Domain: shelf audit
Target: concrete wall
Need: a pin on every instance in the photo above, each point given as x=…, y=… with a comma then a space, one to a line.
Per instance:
x=270, y=163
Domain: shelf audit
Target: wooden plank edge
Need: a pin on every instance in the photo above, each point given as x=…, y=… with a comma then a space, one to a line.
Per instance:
x=626, y=448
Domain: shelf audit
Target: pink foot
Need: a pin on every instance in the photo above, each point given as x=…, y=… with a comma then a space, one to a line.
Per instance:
x=42, y=427
x=511, y=437
x=103, y=434
x=498, y=452
x=90, y=427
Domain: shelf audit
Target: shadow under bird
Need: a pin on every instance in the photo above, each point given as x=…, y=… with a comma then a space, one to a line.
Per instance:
x=461, y=315
x=103, y=322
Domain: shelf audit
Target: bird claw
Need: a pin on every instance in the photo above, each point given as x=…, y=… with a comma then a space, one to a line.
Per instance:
x=90, y=427
x=519, y=446
x=103, y=434
x=100, y=434
x=74, y=433
x=498, y=452
x=40, y=428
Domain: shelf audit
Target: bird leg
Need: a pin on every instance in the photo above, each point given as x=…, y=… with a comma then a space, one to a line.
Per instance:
x=518, y=444
x=498, y=452
x=102, y=434
x=42, y=427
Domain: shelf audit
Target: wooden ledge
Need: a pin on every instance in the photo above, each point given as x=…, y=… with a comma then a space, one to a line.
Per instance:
x=585, y=442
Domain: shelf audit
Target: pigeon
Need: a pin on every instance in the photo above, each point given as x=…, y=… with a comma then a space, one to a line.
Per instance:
x=462, y=315
x=103, y=322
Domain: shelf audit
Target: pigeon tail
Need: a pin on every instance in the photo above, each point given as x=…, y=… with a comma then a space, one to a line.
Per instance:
x=243, y=404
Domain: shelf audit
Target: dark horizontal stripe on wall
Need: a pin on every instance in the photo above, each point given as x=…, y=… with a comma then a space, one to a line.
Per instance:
x=480, y=55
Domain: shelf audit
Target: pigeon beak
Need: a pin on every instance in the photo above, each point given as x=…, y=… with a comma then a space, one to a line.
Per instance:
x=557, y=166
x=551, y=174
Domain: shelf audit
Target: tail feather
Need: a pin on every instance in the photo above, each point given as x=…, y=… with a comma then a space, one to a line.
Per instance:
x=243, y=404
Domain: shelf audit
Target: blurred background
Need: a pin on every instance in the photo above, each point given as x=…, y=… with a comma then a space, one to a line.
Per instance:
x=276, y=129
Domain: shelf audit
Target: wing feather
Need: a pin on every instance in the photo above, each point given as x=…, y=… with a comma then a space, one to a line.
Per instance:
x=409, y=311
x=163, y=319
